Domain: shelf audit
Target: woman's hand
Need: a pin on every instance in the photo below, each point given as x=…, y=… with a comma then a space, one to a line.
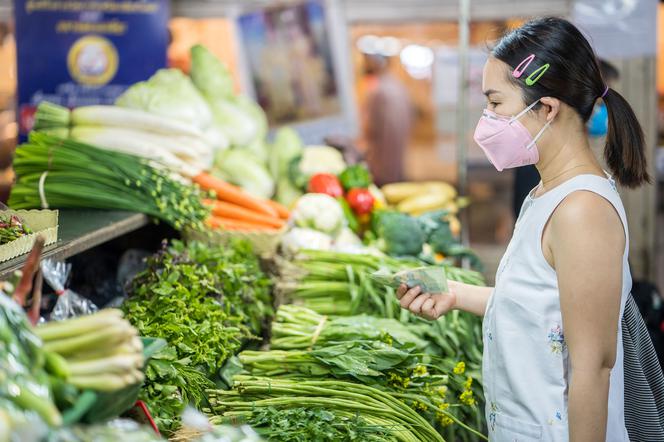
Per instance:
x=427, y=305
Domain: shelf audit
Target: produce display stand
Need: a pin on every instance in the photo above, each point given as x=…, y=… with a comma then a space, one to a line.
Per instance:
x=81, y=230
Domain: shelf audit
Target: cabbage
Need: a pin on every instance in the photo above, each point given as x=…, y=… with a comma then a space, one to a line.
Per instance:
x=258, y=148
x=256, y=112
x=287, y=146
x=238, y=125
x=216, y=138
x=242, y=168
x=168, y=93
x=210, y=75
x=240, y=118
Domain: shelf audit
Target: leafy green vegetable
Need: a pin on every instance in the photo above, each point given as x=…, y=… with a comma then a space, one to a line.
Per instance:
x=209, y=74
x=23, y=378
x=169, y=93
x=399, y=234
x=205, y=301
x=170, y=385
x=286, y=147
x=232, y=119
x=237, y=116
x=319, y=424
x=242, y=168
x=378, y=408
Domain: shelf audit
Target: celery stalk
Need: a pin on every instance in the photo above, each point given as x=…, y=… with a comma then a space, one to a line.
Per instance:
x=116, y=364
x=105, y=337
x=52, y=331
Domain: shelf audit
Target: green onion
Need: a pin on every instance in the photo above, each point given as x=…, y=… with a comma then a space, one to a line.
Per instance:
x=82, y=176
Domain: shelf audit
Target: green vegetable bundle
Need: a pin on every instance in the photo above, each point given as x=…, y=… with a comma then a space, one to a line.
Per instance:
x=332, y=283
x=24, y=382
x=99, y=352
x=382, y=353
x=68, y=174
x=319, y=424
x=298, y=328
x=206, y=302
x=377, y=408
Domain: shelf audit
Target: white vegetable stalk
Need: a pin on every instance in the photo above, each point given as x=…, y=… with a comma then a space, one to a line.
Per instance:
x=116, y=116
x=111, y=139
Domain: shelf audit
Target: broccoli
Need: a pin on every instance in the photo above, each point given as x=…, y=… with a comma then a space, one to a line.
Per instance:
x=399, y=234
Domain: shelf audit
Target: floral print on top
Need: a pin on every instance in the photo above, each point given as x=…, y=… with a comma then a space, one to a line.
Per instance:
x=557, y=339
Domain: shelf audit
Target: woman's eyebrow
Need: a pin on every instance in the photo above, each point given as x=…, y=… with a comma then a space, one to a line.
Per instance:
x=491, y=91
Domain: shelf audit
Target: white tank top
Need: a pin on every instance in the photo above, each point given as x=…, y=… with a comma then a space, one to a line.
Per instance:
x=526, y=363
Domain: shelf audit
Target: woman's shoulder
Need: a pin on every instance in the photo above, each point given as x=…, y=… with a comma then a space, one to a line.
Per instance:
x=585, y=213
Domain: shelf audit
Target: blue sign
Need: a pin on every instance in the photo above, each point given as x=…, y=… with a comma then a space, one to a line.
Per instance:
x=83, y=52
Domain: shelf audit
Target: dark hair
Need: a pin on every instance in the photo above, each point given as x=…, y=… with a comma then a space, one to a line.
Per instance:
x=574, y=77
x=609, y=72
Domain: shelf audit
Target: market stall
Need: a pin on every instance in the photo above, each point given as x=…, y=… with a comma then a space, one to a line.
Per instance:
x=279, y=300
x=240, y=274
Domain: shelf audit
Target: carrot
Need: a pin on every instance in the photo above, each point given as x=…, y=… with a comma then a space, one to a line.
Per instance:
x=217, y=222
x=283, y=212
x=233, y=211
x=233, y=194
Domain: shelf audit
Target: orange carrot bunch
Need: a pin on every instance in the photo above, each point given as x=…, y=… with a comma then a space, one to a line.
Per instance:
x=235, y=209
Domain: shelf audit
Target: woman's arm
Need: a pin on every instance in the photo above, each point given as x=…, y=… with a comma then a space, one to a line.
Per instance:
x=461, y=296
x=584, y=242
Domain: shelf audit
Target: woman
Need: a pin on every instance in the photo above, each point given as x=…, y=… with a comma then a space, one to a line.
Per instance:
x=554, y=365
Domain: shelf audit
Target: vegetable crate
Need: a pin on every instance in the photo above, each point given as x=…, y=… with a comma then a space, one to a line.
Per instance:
x=41, y=222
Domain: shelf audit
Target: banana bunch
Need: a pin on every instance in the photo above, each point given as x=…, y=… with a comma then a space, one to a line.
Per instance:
x=419, y=198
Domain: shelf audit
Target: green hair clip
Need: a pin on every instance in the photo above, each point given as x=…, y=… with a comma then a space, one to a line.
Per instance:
x=537, y=74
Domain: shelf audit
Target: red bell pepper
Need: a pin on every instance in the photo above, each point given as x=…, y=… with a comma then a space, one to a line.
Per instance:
x=325, y=183
x=360, y=200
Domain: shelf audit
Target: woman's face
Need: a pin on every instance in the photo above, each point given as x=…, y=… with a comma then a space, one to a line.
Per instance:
x=504, y=97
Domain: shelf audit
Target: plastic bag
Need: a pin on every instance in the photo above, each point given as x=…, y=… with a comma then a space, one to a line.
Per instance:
x=69, y=303
x=197, y=425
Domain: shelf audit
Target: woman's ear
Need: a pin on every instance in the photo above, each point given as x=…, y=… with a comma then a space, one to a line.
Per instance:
x=551, y=107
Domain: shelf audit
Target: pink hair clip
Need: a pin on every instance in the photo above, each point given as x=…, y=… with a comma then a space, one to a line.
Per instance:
x=518, y=71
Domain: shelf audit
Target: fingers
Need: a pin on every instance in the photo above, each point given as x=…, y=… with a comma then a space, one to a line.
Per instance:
x=416, y=305
x=403, y=288
x=436, y=306
x=408, y=297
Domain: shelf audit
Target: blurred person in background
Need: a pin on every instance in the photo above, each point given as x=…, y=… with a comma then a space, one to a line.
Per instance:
x=526, y=178
x=387, y=121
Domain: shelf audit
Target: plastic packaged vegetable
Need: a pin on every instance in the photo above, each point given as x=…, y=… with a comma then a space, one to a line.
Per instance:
x=430, y=279
x=69, y=303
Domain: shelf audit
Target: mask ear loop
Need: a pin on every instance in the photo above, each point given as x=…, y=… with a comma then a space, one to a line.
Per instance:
x=523, y=112
x=539, y=134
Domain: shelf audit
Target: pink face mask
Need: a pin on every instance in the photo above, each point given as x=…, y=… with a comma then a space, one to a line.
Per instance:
x=505, y=141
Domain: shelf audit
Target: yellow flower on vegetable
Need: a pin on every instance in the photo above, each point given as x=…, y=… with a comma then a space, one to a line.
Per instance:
x=469, y=383
x=467, y=397
x=444, y=406
x=460, y=368
x=444, y=419
x=419, y=406
x=420, y=371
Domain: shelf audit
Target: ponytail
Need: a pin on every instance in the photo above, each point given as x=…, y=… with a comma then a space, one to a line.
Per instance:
x=625, y=147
